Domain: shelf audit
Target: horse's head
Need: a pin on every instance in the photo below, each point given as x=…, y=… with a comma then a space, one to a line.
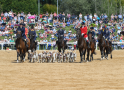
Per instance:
x=19, y=33
x=78, y=33
x=99, y=36
x=31, y=36
x=90, y=36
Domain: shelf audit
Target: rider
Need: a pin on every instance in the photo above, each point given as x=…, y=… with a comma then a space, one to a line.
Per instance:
x=104, y=31
x=61, y=33
x=93, y=34
x=23, y=33
x=83, y=29
x=92, y=31
x=32, y=31
x=107, y=34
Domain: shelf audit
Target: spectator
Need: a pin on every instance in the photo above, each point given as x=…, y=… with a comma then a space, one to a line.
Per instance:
x=75, y=43
x=5, y=43
x=49, y=45
x=74, y=35
x=68, y=23
x=80, y=16
x=45, y=43
x=52, y=37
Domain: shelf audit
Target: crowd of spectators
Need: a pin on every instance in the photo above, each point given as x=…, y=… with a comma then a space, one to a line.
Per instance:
x=47, y=25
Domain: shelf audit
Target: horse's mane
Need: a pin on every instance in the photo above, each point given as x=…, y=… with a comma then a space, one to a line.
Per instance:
x=122, y=32
x=60, y=39
x=78, y=31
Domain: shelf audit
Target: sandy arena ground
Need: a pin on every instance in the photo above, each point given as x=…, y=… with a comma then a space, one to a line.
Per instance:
x=100, y=75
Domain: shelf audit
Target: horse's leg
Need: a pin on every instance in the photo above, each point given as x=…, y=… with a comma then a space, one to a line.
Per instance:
x=24, y=57
x=107, y=53
x=84, y=52
x=87, y=55
x=17, y=56
x=81, y=56
x=101, y=54
x=92, y=54
x=111, y=55
x=21, y=57
x=92, y=57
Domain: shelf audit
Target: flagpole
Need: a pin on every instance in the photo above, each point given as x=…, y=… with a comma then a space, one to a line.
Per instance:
x=57, y=10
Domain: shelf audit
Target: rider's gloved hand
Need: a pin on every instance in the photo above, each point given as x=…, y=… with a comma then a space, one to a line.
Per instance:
x=25, y=39
x=82, y=34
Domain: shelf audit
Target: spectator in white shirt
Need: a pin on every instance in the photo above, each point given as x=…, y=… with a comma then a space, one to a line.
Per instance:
x=5, y=43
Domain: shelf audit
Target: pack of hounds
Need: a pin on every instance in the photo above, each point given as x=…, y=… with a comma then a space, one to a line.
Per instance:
x=52, y=56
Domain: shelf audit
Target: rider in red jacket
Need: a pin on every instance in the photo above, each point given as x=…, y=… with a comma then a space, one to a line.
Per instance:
x=83, y=29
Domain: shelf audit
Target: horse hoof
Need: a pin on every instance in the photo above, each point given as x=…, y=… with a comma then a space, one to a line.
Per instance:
x=81, y=62
x=17, y=61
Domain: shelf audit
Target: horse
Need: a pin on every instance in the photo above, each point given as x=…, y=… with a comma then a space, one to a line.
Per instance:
x=81, y=44
x=20, y=46
x=33, y=45
x=122, y=32
x=61, y=44
x=92, y=47
x=109, y=49
x=102, y=45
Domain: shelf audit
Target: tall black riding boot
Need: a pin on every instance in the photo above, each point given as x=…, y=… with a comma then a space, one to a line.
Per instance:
x=88, y=44
x=26, y=44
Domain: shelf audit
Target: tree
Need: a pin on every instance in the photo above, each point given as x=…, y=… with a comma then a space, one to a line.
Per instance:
x=20, y=5
x=1, y=8
x=74, y=7
x=49, y=8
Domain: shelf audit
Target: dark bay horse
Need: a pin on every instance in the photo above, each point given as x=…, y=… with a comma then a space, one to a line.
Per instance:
x=102, y=45
x=81, y=44
x=122, y=32
x=21, y=47
x=109, y=49
x=61, y=44
x=33, y=44
x=92, y=47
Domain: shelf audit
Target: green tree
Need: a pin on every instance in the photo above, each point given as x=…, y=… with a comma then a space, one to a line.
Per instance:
x=50, y=8
x=74, y=7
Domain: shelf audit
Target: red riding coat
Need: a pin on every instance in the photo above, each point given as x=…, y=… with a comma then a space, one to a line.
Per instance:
x=84, y=31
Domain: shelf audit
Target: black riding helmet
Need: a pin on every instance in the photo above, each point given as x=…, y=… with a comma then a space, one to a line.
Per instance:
x=91, y=27
x=83, y=23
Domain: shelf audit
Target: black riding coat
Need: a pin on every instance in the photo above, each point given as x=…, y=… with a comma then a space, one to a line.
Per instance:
x=60, y=32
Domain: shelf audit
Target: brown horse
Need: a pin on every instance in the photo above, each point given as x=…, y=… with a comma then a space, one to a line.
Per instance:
x=81, y=44
x=33, y=44
x=92, y=47
x=61, y=44
x=109, y=49
x=20, y=46
x=102, y=45
x=122, y=32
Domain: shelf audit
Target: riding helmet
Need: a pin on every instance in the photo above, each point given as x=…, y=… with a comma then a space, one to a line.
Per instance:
x=83, y=23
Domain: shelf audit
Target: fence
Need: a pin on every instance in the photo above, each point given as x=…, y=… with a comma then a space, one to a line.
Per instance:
x=69, y=43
